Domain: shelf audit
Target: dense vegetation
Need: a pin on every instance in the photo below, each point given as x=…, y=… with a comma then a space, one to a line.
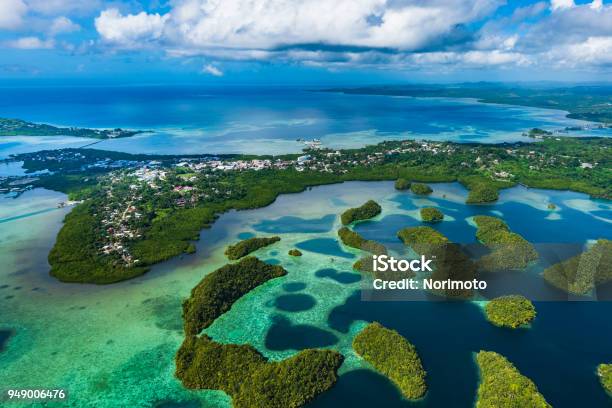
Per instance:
x=510, y=311
x=503, y=386
x=604, y=372
x=420, y=188
x=17, y=127
x=422, y=239
x=368, y=210
x=252, y=381
x=430, y=214
x=508, y=249
x=246, y=246
x=483, y=189
x=218, y=291
x=295, y=252
x=355, y=240
x=393, y=356
x=402, y=184
x=167, y=229
x=581, y=273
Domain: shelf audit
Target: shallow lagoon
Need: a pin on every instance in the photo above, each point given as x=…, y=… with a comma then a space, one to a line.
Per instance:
x=114, y=345
x=258, y=120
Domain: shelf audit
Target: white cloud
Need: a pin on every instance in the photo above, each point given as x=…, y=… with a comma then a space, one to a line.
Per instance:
x=132, y=30
x=11, y=13
x=212, y=70
x=267, y=24
x=594, y=51
x=63, y=25
x=30, y=43
x=561, y=4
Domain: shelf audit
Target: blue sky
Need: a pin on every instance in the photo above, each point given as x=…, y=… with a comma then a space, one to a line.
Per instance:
x=305, y=41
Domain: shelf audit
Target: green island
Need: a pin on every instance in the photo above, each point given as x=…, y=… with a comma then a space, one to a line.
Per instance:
x=450, y=260
x=368, y=210
x=420, y=189
x=402, y=184
x=246, y=246
x=508, y=249
x=217, y=292
x=355, y=240
x=295, y=252
x=241, y=371
x=394, y=357
x=483, y=190
x=551, y=206
x=503, y=386
x=510, y=311
x=252, y=381
x=582, y=273
x=18, y=127
x=138, y=210
x=604, y=372
x=430, y=214
x=422, y=239
x=582, y=102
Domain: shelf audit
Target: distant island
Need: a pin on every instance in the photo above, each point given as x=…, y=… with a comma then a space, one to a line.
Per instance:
x=18, y=127
x=582, y=102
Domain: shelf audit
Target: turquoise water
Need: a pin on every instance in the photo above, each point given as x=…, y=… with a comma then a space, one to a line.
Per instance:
x=195, y=119
x=113, y=346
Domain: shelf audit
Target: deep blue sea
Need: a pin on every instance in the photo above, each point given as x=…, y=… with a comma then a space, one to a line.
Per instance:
x=195, y=119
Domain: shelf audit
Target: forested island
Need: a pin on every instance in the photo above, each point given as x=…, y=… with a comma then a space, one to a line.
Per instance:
x=393, y=356
x=510, y=311
x=246, y=246
x=422, y=239
x=430, y=214
x=368, y=210
x=241, y=371
x=502, y=385
x=218, y=291
x=138, y=210
x=355, y=240
x=18, y=127
x=420, y=189
x=604, y=372
x=580, y=274
x=508, y=249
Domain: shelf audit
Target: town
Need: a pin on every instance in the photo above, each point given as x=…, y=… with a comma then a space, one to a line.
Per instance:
x=129, y=193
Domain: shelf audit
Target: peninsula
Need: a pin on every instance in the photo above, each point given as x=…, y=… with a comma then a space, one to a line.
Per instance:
x=18, y=127
x=138, y=210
